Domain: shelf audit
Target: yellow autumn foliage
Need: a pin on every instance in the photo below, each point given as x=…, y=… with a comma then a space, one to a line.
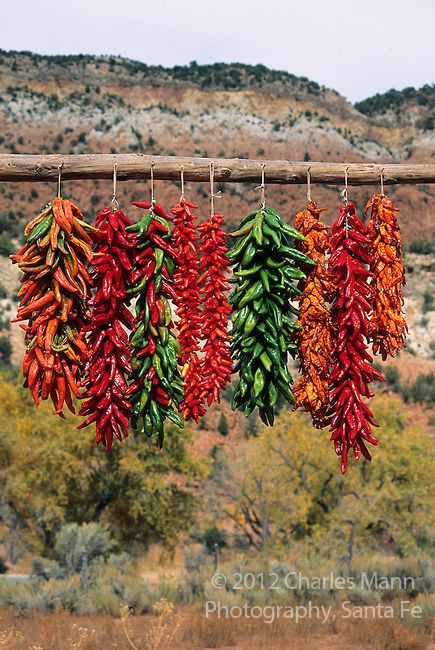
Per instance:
x=289, y=487
x=51, y=473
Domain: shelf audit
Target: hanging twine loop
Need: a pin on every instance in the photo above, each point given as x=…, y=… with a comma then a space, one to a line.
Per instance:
x=262, y=187
x=344, y=197
x=343, y=193
x=213, y=195
x=153, y=200
x=182, y=182
x=59, y=180
x=309, y=184
x=114, y=203
x=381, y=174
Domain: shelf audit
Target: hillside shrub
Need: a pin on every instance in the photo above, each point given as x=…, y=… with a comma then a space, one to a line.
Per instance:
x=6, y=245
x=85, y=578
x=422, y=390
x=5, y=351
x=223, y=425
x=422, y=246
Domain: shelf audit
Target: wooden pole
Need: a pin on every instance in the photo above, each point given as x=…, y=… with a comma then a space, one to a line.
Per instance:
x=23, y=167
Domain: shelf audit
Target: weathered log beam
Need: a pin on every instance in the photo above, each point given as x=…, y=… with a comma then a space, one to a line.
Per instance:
x=23, y=167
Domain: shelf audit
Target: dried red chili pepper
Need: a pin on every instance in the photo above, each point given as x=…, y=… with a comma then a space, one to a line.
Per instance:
x=187, y=301
x=109, y=348
x=387, y=326
x=216, y=365
x=352, y=422
x=316, y=340
x=55, y=288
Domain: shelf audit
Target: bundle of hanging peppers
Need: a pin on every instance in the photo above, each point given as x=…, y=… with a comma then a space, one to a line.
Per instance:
x=266, y=268
x=352, y=421
x=316, y=337
x=216, y=364
x=128, y=368
x=387, y=326
x=55, y=288
x=156, y=389
x=187, y=301
x=109, y=352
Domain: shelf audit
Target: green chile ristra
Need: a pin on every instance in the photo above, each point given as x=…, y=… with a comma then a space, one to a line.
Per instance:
x=267, y=268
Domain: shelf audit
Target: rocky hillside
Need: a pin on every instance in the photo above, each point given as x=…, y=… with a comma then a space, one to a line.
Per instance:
x=81, y=103
x=75, y=104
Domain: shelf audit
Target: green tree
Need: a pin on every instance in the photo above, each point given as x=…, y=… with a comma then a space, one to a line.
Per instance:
x=287, y=488
x=51, y=474
x=214, y=537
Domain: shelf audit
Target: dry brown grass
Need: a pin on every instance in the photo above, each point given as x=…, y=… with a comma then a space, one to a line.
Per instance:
x=188, y=629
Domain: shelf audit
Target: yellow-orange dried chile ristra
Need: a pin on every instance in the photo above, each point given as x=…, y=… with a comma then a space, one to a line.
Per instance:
x=387, y=325
x=316, y=335
x=55, y=287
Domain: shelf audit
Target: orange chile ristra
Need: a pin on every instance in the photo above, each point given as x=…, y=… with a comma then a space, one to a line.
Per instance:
x=316, y=335
x=387, y=325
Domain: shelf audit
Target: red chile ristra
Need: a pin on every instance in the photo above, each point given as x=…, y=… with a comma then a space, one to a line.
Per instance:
x=216, y=364
x=188, y=306
x=351, y=425
x=109, y=360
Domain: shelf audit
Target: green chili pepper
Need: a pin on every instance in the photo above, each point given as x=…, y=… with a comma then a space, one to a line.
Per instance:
x=40, y=229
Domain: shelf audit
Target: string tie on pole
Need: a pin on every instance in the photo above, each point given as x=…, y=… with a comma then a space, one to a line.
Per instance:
x=182, y=182
x=309, y=184
x=59, y=179
x=153, y=200
x=262, y=187
x=213, y=195
x=381, y=174
x=114, y=203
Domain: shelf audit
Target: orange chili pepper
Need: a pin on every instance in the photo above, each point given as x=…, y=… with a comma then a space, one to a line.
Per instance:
x=54, y=232
x=49, y=333
x=61, y=216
